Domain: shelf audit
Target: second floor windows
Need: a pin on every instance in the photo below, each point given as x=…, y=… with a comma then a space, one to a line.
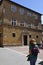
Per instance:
x=36, y=26
x=22, y=23
x=29, y=25
x=13, y=8
x=13, y=22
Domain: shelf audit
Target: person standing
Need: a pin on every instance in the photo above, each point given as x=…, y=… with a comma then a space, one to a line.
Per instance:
x=33, y=51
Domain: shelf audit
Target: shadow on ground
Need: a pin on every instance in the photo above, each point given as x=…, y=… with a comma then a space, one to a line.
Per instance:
x=41, y=63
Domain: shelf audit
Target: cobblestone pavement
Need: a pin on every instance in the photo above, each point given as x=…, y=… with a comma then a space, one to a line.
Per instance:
x=14, y=56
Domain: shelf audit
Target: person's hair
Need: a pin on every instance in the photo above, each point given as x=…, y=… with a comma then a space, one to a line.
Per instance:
x=31, y=41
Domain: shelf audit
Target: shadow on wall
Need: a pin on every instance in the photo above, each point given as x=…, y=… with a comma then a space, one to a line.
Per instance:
x=41, y=63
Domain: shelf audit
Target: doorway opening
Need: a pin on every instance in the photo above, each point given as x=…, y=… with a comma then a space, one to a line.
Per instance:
x=25, y=39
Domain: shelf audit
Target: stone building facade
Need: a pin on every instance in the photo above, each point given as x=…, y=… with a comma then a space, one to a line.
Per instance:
x=18, y=24
x=42, y=33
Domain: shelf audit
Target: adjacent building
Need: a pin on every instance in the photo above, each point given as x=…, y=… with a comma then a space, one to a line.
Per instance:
x=42, y=33
x=18, y=24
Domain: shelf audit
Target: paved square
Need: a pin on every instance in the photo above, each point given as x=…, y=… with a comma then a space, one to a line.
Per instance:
x=11, y=57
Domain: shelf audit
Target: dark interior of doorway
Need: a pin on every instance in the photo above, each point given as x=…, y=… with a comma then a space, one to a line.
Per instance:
x=25, y=39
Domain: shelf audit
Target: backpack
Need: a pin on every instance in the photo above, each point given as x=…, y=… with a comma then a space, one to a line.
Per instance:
x=35, y=50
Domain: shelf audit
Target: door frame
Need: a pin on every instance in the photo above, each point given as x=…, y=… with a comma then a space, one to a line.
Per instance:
x=23, y=39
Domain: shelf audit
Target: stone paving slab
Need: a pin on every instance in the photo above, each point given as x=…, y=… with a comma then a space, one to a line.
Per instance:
x=25, y=50
x=12, y=57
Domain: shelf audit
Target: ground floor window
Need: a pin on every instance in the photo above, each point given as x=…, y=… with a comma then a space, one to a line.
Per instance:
x=29, y=36
x=13, y=34
x=37, y=36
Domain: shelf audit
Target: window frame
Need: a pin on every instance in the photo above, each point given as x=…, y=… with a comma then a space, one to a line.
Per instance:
x=13, y=34
x=22, y=23
x=13, y=22
x=29, y=14
x=13, y=8
x=21, y=11
x=37, y=36
x=35, y=16
x=30, y=36
x=29, y=25
x=36, y=26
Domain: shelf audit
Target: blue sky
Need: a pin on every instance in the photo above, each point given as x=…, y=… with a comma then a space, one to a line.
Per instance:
x=36, y=5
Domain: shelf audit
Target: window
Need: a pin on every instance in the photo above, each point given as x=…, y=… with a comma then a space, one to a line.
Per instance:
x=37, y=36
x=22, y=23
x=35, y=16
x=30, y=36
x=13, y=8
x=28, y=14
x=36, y=26
x=13, y=22
x=13, y=34
x=29, y=25
x=21, y=11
